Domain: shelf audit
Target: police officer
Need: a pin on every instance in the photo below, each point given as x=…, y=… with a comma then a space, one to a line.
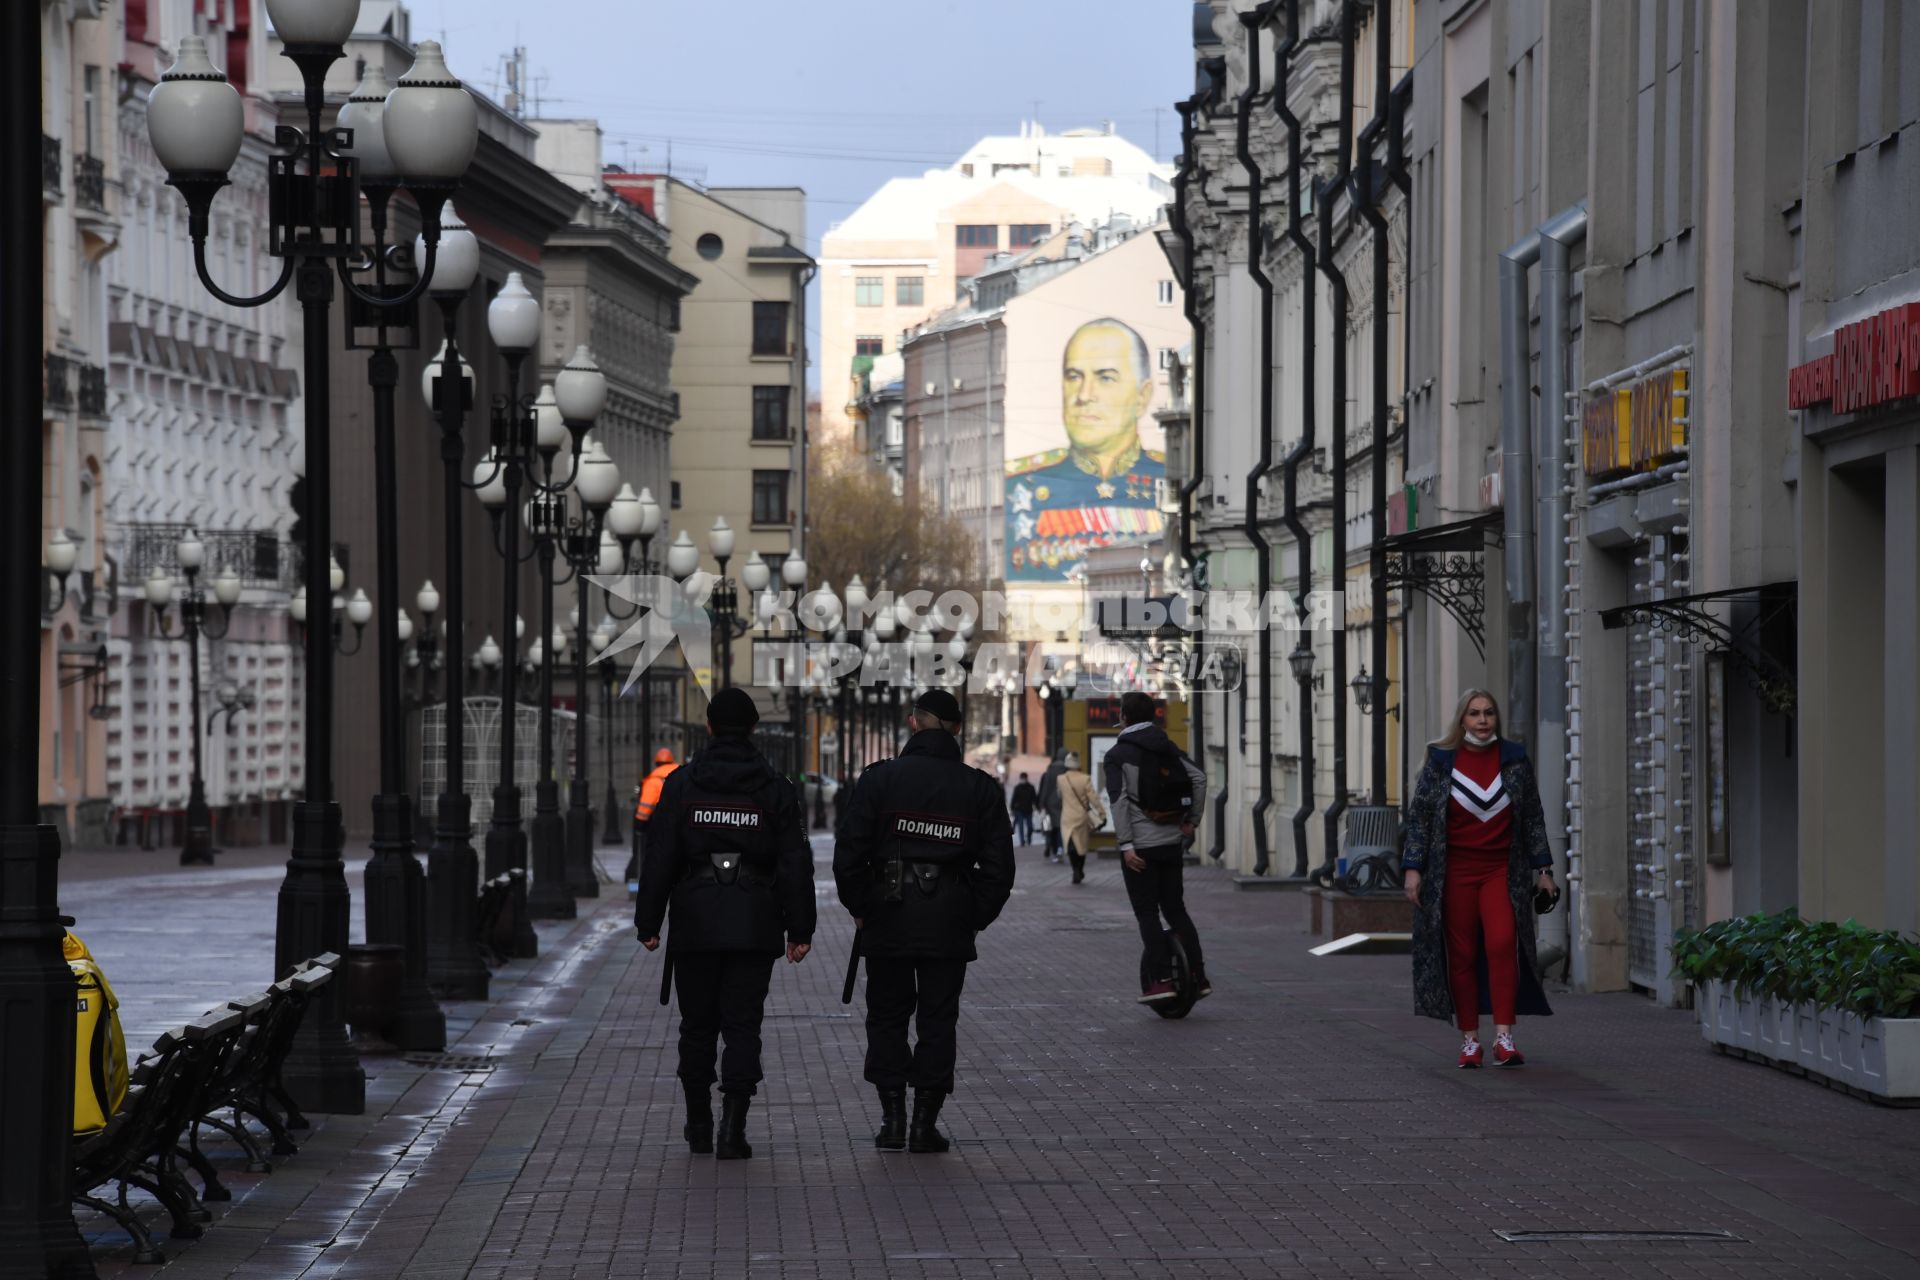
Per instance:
x=923, y=860
x=727, y=853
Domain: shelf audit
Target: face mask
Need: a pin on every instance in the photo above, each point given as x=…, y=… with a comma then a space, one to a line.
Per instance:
x=1478, y=741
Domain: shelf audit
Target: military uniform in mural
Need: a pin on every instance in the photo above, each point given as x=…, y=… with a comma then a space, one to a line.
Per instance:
x=1058, y=507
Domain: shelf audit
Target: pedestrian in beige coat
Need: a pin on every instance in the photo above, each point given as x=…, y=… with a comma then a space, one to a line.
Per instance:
x=1081, y=811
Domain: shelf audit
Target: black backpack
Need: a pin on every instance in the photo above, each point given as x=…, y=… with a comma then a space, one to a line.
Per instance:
x=1166, y=793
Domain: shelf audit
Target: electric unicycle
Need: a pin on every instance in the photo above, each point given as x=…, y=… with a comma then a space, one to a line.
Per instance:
x=1185, y=990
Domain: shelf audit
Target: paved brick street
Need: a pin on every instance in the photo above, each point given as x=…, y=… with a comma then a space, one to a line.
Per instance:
x=1300, y=1123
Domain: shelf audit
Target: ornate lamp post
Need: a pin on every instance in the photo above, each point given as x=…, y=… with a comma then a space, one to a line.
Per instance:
x=454, y=967
x=596, y=481
x=602, y=637
x=429, y=128
x=188, y=553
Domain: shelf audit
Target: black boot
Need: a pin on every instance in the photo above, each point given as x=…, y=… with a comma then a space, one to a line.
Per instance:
x=699, y=1128
x=922, y=1137
x=893, y=1120
x=732, y=1141
x=1079, y=867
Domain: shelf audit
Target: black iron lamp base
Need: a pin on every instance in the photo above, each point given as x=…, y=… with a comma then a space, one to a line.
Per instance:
x=396, y=904
x=454, y=968
x=549, y=899
x=322, y=1072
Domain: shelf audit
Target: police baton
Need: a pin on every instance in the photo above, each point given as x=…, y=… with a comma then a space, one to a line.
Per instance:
x=666, y=980
x=853, y=970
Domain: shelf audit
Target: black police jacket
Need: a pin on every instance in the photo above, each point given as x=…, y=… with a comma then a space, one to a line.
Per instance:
x=727, y=862
x=924, y=853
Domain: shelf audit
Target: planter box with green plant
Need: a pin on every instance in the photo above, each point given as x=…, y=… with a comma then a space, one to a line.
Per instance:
x=1837, y=1001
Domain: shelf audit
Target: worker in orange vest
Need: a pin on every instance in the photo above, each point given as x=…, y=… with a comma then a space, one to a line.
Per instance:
x=663, y=764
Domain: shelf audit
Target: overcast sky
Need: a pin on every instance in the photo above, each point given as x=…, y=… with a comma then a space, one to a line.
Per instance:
x=835, y=96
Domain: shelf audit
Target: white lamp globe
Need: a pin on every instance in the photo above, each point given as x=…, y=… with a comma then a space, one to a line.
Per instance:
x=324, y=22
x=513, y=317
x=336, y=576
x=559, y=642
x=549, y=428
x=489, y=652
x=296, y=608
x=794, y=571
x=612, y=562
x=359, y=609
x=362, y=112
x=623, y=516
x=226, y=586
x=159, y=588
x=720, y=539
x=491, y=478
x=519, y=628
x=956, y=648
x=582, y=388
x=405, y=625
x=598, y=478
x=194, y=117
x=649, y=514
x=682, y=557
x=61, y=553
x=432, y=124
x=456, y=262
x=856, y=594
x=189, y=552
x=428, y=599
x=536, y=654
x=755, y=574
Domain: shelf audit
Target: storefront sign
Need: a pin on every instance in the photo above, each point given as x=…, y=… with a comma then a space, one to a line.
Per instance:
x=1636, y=427
x=1874, y=361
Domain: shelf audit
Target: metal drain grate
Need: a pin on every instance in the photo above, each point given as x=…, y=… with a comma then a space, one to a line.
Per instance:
x=1615, y=1237
x=450, y=1061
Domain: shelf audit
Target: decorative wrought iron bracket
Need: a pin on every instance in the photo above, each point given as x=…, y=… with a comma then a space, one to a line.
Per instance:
x=1684, y=618
x=1447, y=565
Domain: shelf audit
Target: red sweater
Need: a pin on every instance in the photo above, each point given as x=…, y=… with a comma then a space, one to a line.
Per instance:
x=1480, y=813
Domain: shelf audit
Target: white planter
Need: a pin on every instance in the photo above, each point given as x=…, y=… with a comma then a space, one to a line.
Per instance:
x=1876, y=1056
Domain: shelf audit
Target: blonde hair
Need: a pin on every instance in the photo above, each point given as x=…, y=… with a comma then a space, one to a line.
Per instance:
x=1457, y=728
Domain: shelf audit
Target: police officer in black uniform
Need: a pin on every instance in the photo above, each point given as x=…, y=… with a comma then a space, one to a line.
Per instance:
x=728, y=854
x=923, y=860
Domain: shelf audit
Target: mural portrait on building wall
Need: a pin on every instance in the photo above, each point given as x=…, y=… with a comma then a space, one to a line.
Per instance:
x=1100, y=486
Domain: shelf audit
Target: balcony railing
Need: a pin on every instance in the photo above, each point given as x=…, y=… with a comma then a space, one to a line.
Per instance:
x=90, y=182
x=50, y=164
x=59, y=386
x=258, y=556
x=93, y=391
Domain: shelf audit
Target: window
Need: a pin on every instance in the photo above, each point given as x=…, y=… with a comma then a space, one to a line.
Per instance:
x=1027, y=234
x=1166, y=357
x=676, y=494
x=869, y=291
x=710, y=246
x=1163, y=293
x=770, y=328
x=770, y=496
x=770, y=413
x=976, y=237
x=910, y=291
x=869, y=346
x=92, y=124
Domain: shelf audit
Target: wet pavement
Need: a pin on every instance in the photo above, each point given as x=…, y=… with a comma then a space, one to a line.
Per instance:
x=1299, y=1123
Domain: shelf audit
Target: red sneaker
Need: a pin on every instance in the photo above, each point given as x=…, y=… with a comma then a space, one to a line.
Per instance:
x=1505, y=1055
x=1161, y=990
x=1469, y=1053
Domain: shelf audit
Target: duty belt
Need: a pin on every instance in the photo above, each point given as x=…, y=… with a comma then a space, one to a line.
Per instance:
x=894, y=873
x=725, y=868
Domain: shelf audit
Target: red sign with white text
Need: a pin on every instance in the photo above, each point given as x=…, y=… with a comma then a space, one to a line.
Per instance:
x=1874, y=361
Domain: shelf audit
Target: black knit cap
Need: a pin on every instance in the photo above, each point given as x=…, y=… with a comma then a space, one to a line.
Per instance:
x=732, y=710
x=939, y=704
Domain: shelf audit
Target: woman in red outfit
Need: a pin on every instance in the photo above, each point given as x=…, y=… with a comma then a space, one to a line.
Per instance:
x=1476, y=852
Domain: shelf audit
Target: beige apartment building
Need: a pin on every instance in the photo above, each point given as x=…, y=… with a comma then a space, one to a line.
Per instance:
x=739, y=369
x=907, y=253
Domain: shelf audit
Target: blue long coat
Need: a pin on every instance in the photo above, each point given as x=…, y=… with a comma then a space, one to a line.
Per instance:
x=1426, y=852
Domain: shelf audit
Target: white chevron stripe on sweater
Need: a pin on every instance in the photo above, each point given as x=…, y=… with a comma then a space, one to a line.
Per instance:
x=1484, y=803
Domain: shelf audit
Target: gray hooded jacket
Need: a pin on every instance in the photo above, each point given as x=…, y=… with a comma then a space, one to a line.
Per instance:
x=1132, y=829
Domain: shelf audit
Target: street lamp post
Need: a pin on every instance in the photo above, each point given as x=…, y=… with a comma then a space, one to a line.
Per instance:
x=610, y=808
x=455, y=969
x=429, y=128
x=720, y=543
x=596, y=481
x=197, y=844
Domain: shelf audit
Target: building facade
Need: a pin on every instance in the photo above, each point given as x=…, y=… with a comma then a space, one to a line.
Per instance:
x=1650, y=392
x=907, y=253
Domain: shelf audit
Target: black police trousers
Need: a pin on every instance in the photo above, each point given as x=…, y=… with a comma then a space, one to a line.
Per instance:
x=927, y=991
x=722, y=993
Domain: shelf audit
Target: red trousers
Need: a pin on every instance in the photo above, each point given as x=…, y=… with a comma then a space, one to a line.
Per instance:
x=1476, y=907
